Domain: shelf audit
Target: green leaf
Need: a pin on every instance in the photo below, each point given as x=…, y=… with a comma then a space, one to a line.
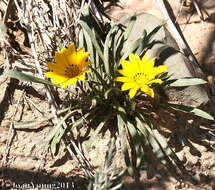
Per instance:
x=35, y=124
x=142, y=46
x=104, y=83
x=201, y=113
x=89, y=47
x=56, y=140
x=137, y=142
x=187, y=82
x=79, y=121
x=117, y=186
x=93, y=136
x=81, y=39
x=195, y=111
x=110, y=153
x=118, y=43
x=58, y=136
x=168, y=151
x=131, y=48
x=23, y=77
x=54, y=130
x=106, y=51
x=93, y=38
x=130, y=26
x=122, y=135
x=151, y=140
x=153, y=32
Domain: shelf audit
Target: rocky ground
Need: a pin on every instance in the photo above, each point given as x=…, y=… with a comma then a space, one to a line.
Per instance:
x=28, y=168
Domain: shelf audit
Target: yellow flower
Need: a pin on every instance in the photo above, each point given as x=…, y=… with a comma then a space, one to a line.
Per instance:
x=139, y=74
x=69, y=67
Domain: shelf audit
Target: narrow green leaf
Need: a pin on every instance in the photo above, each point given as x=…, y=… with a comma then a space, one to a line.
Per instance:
x=131, y=48
x=130, y=26
x=201, y=113
x=56, y=140
x=93, y=136
x=81, y=39
x=142, y=45
x=35, y=124
x=23, y=77
x=118, y=45
x=79, y=121
x=106, y=51
x=153, y=32
x=3, y=31
x=168, y=151
x=93, y=38
x=187, y=82
x=136, y=138
x=117, y=187
x=54, y=130
x=122, y=135
x=58, y=136
x=151, y=140
x=89, y=47
x=195, y=111
x=85, y=10
x=104, y=83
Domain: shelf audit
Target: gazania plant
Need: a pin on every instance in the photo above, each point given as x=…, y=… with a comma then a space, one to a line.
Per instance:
x=117, y=90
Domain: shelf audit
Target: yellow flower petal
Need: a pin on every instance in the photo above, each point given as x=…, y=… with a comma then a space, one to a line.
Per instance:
x=81, y=77
x=81, y=56
x=147, y=90
x=128, y=68
x=63, y=50
x=60, y=60
x=69, y=81
x=71, y=48
x=128, y=85
x=55, y=67
x=135, y=60
x=123, y=79
x=59, y=79
x=51, y=74
x=160, y=69
x=132, y=92
x=143, y=63
x=124, y=72
x=73, y=80
x=65, y=84
x=125, y=63
x=150, y=65
x=84, y=64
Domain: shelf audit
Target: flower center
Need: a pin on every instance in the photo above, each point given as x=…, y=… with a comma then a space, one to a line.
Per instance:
x=141, y=78
x=72, y=70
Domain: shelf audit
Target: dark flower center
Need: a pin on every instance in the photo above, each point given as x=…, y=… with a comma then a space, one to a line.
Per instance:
x=72, y=70
x=141, y=78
